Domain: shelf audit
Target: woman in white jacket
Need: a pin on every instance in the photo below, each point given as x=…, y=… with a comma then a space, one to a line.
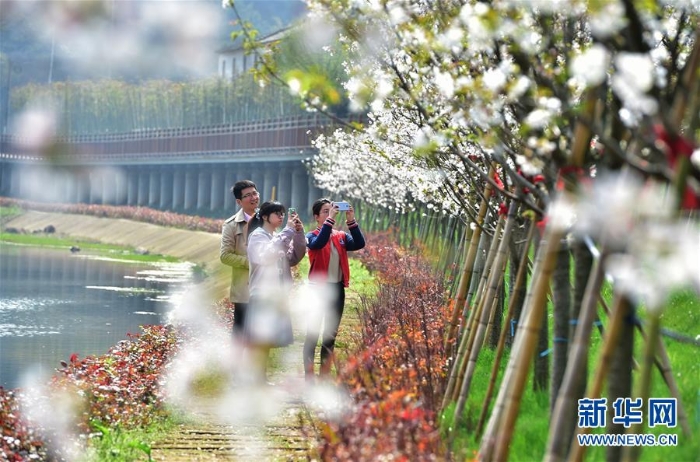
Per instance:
x=271, y=255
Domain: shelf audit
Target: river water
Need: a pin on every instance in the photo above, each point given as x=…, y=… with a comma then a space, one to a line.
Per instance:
x=54, y=303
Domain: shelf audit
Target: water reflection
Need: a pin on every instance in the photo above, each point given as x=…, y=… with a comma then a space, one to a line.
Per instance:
x=54, y=303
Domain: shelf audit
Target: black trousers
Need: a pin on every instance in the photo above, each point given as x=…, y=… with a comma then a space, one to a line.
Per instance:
x=239, y=310
x=330, y=319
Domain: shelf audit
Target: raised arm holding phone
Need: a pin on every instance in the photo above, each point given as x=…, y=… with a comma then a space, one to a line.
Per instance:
x=330, y=271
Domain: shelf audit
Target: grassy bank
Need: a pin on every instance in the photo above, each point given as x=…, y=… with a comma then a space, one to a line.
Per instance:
x=682, y=315
x=84, y=246
x=59, y=241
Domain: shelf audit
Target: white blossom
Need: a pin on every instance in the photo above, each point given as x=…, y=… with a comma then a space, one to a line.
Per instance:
x=633, y=78
x=591, y=66
x=494, y=79
x=538, y=118
x=608, y=20
x=519, y=88
x=294, y=86
x=445, y=83
x=661, y=257
x=529, y=166
x=398, y=14
x=452, y=38
x=695, y=158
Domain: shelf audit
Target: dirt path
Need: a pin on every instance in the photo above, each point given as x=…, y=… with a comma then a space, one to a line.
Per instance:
x=211, y=432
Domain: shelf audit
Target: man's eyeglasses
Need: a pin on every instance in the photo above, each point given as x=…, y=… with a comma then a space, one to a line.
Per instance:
x=250, y=194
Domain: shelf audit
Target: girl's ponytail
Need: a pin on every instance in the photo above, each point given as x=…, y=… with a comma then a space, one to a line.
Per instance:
x=255, y=222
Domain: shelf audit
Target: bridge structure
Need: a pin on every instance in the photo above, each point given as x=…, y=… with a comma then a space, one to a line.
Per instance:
x=184, y=170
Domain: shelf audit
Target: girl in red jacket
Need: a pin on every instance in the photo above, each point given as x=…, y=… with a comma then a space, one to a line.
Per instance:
x=328, y=256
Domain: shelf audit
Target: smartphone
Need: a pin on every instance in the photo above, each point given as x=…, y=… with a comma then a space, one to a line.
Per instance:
x=292, y=210
x=342, y=205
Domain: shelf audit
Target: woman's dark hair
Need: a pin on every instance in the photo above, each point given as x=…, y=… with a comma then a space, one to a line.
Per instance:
x=316, y=207
x=265, y=210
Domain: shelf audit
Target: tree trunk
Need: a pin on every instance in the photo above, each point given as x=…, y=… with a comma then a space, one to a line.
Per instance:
x=518, y=291
x=561, y=299
x=620, y=382
x=564, y=414
x=497, y=323
x=540, y=365
x=618, y=317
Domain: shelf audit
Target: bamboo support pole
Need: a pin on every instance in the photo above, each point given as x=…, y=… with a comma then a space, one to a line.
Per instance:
x=494, y=310
x=465, y=279
x=631, y=454
x=469, y=329
x=467, y=319
x=664, y=366
x=523, y=356
x=524, y=345
x=565, y=405
x=519, y=281
x=486, y=306
x=619, y=314
x=486, y=272
x=454, y=371
x=689, y=86
x=457, y=261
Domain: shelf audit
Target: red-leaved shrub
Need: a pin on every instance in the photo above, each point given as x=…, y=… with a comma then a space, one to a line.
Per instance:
x=120, y=388
x=396, y=374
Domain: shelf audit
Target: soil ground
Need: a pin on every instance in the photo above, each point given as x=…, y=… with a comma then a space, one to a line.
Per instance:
x=208, y=433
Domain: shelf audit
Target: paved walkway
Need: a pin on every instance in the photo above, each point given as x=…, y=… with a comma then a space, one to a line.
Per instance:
x=209, y=434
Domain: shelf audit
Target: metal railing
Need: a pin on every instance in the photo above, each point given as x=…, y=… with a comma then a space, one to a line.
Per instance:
x=289, y=133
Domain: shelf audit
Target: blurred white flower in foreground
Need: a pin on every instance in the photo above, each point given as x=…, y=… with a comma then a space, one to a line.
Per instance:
x=634, y=77
x=55, y=413
x=206, y=361
x=328, y=400
x=36, y=129
x=650, y=252
x=615, y=204
x=608, y=19
x=661, y=258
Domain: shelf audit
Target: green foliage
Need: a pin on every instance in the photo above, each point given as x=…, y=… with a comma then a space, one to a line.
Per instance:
x=109, y=106
x=362, y=283
x=120, y=445
x=7, y=213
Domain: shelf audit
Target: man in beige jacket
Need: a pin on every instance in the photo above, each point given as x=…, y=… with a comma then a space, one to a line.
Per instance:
x=234, y=249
